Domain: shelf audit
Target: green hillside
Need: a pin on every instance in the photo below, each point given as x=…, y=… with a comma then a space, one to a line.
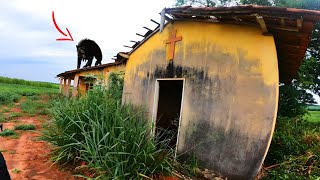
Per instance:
x=11, y=89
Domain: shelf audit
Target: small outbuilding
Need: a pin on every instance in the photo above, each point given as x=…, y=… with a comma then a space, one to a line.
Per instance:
x=212, y=75
x=83, y=79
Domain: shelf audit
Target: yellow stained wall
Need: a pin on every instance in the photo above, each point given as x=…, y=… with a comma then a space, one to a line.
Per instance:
x=104, y=72
x=230, y=94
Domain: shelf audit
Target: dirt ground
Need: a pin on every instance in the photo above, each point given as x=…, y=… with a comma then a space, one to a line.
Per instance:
x=26, y=156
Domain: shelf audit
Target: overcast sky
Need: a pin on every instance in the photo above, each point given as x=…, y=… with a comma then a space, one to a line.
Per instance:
x=28, y=46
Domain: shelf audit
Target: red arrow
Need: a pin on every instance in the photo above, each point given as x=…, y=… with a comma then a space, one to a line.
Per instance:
x=61, y=39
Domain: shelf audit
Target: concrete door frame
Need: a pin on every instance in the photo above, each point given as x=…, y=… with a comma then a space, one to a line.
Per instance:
x=156, y=102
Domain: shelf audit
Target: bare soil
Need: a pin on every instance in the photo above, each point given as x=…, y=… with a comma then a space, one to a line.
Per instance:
x=27, y=156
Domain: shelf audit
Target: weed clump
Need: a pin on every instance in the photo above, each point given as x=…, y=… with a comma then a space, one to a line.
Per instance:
x=8, y=132
x=113, y=139
x=8, y=97
x=25, y=127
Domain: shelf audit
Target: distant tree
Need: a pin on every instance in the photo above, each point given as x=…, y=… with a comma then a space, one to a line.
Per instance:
x=257, y=2
x=208, y=3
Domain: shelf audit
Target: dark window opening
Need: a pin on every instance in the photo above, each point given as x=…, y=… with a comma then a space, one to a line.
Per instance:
x=168, y=114
x=89, y=86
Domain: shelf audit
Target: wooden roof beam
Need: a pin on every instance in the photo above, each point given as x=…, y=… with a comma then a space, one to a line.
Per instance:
x=262, y=24
x=299, y=23
x=147, y=28
x=155, y=22
x=292, y=29
x=283, y=22
x=139, y=35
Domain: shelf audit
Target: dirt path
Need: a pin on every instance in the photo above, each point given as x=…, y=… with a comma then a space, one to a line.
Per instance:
x=27, y=156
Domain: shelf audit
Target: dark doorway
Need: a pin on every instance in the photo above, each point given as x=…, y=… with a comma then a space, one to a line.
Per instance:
x=168, y=113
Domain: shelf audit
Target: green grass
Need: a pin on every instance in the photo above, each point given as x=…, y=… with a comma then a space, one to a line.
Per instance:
x=15, y=170
x=14, y=115
x=24, y=90
x=11, y=116
x=10, y=93
x=2, y=118
x=112, y=138
x=5, y=110
x=24, y=127
x=8, y=132
x=314, y=107
x=32, y=106
x=313, y=116
x=7, y=80
x=28, y=106
x=294, y=151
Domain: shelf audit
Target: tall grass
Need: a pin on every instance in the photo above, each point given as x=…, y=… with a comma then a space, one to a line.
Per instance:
x=295, y=150
x=114, y=139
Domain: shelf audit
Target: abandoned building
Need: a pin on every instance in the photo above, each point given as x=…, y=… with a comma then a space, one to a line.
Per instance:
x=212, y=75
x=83, y=79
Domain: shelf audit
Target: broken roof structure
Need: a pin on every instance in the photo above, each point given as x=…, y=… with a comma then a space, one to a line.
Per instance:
x=291, y=28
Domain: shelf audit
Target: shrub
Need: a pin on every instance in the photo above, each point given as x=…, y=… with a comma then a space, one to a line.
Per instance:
x=15, y=97
x=295, y=150
x=5, y=98
x=286, y=139
x=114, y=139
x=8, y=132
x=292, y=102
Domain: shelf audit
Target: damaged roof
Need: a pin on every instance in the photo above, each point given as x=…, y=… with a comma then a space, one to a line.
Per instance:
x=72, y=73
x=291, y=28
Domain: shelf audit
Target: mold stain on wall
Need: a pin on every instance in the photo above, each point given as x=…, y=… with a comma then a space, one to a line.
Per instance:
x=229, y=103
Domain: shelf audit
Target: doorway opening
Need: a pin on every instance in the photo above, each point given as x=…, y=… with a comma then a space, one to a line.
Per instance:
x=168, y=110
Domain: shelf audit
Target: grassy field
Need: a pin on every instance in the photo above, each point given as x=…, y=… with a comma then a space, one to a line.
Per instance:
x=11, y=90
x=7, y=80
x=313, y=116
x=314, y=107
x=25, y=90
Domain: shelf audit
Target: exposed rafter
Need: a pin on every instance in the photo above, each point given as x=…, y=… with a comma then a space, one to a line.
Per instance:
x=262, y=24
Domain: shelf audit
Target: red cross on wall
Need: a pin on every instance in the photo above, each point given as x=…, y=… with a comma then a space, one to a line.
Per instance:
x=172, y=41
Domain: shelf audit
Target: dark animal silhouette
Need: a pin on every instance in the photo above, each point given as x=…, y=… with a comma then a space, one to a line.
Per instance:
x=4, y=174
x=87, y=49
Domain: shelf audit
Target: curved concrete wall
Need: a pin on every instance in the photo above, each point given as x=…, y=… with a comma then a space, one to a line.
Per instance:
x=230, y=94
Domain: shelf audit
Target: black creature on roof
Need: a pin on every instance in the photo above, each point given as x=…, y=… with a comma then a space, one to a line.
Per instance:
x=87, y=49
